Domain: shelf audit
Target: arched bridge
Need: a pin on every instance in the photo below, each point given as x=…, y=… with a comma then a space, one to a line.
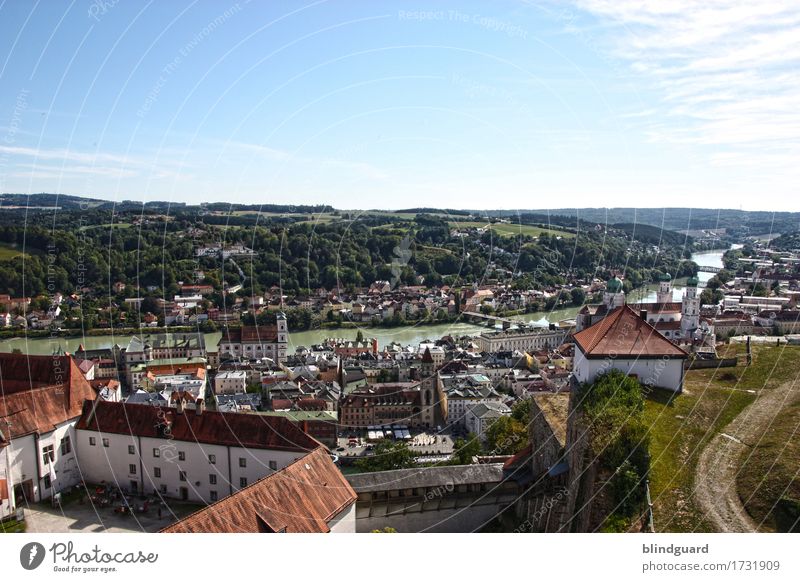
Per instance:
x=707, y=269
x=492, y=320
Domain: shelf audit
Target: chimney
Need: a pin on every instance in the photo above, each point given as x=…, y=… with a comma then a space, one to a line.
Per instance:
x=643, y=314
x=199, y=406
x=179, y=404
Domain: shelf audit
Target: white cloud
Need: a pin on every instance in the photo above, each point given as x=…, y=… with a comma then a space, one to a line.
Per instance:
x=726, y=73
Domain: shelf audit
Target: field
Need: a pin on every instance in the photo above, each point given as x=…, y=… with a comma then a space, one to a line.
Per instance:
x=8, y=252
x=680, y=427
x=107, y=226
x=503, y=229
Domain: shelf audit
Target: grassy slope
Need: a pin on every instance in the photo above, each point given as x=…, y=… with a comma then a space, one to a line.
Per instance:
x=513, y=229
x=771, y=470
x=680, y=428
x=8, y=252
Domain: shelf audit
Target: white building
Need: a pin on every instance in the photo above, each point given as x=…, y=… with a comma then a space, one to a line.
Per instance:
x=256, y=342
x=626, y=342
x=526, y=339
x=161, y=346
x=230, y=382
x=194, y=455
x=461, y=392
x=40, y=402
x=308, y=496
x=481, y=416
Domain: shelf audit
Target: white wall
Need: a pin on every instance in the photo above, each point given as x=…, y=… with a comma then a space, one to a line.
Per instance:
x=660, y=372
x=22, y=461
x=345, y=521
x=111, y=464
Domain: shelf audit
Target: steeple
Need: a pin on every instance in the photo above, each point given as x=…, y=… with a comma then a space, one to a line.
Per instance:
x=664, y=294
x=690, y=309
x=614, y=295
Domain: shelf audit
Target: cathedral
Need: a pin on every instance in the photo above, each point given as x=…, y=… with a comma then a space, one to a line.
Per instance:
x=678, y=321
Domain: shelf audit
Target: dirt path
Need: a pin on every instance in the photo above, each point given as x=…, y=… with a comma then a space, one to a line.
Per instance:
x=715, y=474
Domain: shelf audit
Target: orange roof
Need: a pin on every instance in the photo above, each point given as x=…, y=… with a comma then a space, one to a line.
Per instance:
x=301, y=498
x=39, y=392
x=209, y=427
x=624, y=333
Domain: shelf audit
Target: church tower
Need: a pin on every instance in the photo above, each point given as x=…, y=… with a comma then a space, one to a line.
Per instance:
x=614, y=296
x=282, y=339
x=690, y=308
x=428, y=398
x=664, y=293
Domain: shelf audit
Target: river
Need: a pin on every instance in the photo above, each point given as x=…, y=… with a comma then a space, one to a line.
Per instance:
x=407, y=335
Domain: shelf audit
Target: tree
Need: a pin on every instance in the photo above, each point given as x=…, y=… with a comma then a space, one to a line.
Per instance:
x=465, y=449
x=578, y=296
x=359, y=336
x=506, y=436
x=613, y=406
x=388, y=456
x=521, y=411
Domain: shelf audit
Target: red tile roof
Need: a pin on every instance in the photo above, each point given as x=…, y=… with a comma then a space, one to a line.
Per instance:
x=301, y=498
x=624, y=333
x=39, y=392
x=219, y=428
x=250, y=334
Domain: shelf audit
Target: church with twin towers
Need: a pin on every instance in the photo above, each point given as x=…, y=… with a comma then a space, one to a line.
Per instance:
x=678, y=321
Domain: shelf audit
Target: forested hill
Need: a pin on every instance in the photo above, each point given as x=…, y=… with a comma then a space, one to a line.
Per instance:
x=737, y=222
x=304, y=248
x=786, y=242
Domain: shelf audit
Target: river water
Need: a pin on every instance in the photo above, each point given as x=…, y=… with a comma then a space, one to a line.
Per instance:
x=406, y=335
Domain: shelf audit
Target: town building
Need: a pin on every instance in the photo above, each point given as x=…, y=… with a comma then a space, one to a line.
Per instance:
x=256, y=342
x=41, y=398
x=230, y=382
x=480, y=417
x=523, y=339
x=625, y=341
x=402, y=403
x=461, y=392
x=162, y=346
x=310, y=495
x=193, y=455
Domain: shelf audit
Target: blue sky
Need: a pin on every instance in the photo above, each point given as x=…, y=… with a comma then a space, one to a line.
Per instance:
x=391, y=105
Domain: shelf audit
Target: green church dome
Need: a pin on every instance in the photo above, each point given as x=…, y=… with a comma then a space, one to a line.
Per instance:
x=692, y=282
x=614, y=285
x=665, y=277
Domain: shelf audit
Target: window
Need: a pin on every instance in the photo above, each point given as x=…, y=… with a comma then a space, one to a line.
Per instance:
x=105, y=442
x=156, y=452
x=212, y=459
x=243, y=482
x=242, y=462
x=213, y=495
x=163, y=489
x=92, y=441
x=212, y=479
x=47, y=483
x=157, y=472
x=182, y=475
x=66, y=445
x=132, y=469
x=181, y=456
x=131, y=450
x=273, y=465
x=47, y=455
